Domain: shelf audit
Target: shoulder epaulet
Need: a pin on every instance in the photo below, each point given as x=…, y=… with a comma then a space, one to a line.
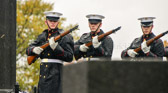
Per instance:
x=108, y=37
x=85, y=35
x=138, y=38
x=45, y=30
x=60, y=30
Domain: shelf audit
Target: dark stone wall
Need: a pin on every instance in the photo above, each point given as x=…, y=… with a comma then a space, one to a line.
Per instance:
x=116, y=77
x=75, y=80
x=7, y=44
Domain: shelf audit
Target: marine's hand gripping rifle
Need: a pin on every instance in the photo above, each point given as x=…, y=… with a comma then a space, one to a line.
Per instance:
x=151, y=40
x=32, y=59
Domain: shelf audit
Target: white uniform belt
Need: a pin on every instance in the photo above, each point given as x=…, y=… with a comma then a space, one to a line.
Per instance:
x=51, y=61
x=94, y=59
x=91, y=59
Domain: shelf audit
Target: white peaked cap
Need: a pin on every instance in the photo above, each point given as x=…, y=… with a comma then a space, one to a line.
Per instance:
x=95, y=16
x=52, y=14
x=146, y=19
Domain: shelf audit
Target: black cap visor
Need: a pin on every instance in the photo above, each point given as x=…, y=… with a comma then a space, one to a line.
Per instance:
x=146, y=24
x=94, y=21
x=52, y=18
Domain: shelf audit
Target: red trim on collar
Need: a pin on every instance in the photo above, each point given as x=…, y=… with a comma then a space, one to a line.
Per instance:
x=52, y=32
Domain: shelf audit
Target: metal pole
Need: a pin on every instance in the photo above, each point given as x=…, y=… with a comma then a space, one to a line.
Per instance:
x=16, y=88
x=35, y=89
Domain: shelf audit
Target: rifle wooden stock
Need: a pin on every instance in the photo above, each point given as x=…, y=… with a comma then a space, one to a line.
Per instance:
x=151, y=41
x=32, y=59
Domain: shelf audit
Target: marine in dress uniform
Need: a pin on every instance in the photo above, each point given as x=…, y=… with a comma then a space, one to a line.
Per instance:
x=53, y=56
x=153, y=52
x=99, y=49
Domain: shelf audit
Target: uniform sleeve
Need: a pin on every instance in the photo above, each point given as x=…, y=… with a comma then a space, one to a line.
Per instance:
x=66, y=49
x=158, y=50
x=166, y=52
x=29, y=50
x=106, y=48
x=124, y=52
x=77, y=53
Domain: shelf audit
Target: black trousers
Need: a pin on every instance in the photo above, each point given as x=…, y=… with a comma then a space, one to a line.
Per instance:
x=50, y=78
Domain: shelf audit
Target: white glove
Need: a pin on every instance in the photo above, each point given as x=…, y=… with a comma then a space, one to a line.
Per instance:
x=83, y=48
x=37, y=50
x=144, y=47
x=132, y=53
x=52, y=43
x=96, y=42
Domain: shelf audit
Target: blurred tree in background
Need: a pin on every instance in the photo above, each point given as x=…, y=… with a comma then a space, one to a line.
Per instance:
x=30, y=23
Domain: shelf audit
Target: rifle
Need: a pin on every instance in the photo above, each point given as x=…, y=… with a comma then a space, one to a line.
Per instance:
x=104, y=35
x=32, y=59
x=151, y=40
x=100, y=38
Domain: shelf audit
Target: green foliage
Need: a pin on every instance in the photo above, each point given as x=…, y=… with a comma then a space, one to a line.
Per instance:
x=30, y=23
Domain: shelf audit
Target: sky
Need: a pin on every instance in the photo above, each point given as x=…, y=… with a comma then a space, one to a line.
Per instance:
x=117, y=13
